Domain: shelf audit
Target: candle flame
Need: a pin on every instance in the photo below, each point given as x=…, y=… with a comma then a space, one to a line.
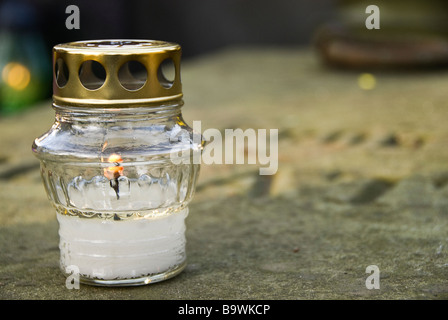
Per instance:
x=115, y=171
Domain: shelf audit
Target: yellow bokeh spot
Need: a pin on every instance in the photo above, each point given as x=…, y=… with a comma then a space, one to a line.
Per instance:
x=16, y=75
x=367, y=81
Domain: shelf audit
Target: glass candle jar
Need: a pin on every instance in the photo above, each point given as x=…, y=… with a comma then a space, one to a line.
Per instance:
x=107, y=161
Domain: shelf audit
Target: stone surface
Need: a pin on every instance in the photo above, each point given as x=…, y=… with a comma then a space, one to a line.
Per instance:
x=362, y=180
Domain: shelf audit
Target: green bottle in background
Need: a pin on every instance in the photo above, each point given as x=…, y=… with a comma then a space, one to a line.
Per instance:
x=25, y=70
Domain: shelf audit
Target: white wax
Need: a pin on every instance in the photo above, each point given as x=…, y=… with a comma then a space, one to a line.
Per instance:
x=108, y=249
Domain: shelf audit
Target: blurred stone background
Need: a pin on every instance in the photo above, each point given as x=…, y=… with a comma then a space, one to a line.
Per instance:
x=362, y=177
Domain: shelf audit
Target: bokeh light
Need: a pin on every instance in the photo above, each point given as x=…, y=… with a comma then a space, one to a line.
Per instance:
x=16, y=75
x=367, y=81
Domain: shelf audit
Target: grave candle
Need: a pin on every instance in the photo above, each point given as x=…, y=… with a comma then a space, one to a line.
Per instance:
x=107, y=166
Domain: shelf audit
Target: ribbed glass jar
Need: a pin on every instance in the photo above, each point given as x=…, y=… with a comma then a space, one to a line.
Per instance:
x=121, y=201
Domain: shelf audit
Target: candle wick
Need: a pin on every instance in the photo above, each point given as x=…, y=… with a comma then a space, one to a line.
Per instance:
x=114, y=185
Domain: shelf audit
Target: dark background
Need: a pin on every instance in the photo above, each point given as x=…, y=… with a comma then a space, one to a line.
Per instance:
x=200, y=26
x=29, y=29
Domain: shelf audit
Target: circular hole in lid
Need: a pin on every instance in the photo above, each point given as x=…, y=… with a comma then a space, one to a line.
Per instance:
x=166, y=73
x=61, y=73
x=92, y=74
x=132, y=75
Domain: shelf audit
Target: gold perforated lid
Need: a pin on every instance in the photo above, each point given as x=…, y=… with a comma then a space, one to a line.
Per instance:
x=116, y=73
